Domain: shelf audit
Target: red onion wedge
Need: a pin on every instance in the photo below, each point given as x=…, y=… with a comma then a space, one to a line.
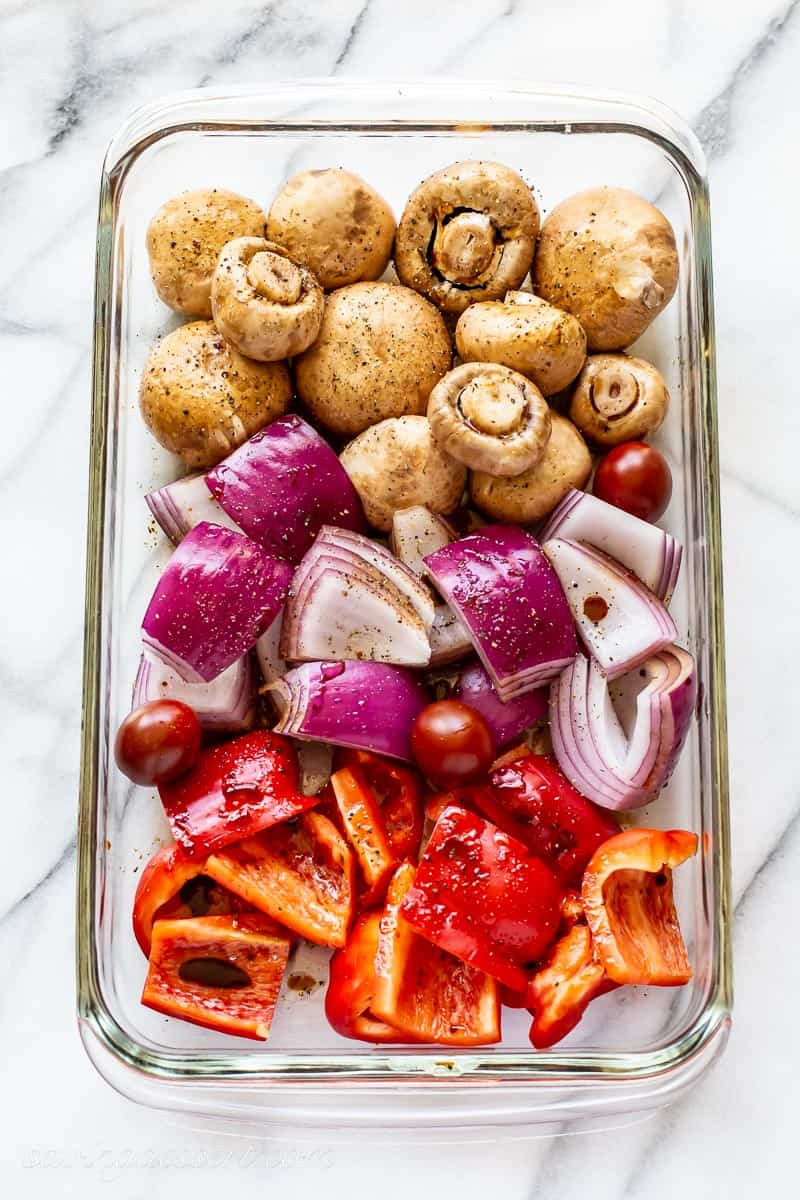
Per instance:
x=283, y=485
x=417, y=531
x=652, y=554
x=268, y=651
x=615, y=768
x=181, y=505
x=506, y=721
x=352, y=599
x=216, y=595
x=620, y=622
x=504, y=590
x=365, y=705
x=449, y=639
x=224, y=705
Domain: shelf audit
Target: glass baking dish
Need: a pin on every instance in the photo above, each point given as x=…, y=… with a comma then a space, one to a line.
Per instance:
x=636, y=1049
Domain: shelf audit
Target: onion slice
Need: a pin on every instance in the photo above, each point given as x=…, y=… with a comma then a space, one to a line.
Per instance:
x=620, y=622
x=509, y=598
x=416, y=531
x=268, y=651
x=364, y=705
x=616, y=769
x=650, y=552
x=224, y=705
x=216, y=595
x=506, y=720
x=181, y=505
x=450, y=641
x=351, y=599
x=283, y=485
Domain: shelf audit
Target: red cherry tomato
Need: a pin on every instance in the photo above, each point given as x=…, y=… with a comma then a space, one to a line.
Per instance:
x=452, y=743
x=636, y=477
x=158, y=742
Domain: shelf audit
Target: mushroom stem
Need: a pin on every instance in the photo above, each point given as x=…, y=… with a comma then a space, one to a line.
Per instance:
x=614, y=392
x=275, y=278
x=491, y=405
x=464, y=247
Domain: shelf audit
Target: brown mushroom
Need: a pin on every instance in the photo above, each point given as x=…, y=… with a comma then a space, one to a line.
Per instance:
x=184, y=240
x=617, y=398
x=526, y=334
x=399, y=463
x=201, y=398
x=467, y=233
x=608, y=257
x=490, y=418
x=266, y=305
x=334, y=223
x=379, y=353
x=522, y=499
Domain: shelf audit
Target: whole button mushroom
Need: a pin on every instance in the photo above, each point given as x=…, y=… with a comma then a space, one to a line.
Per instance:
x=523, y=499
x=608, y=257
x=201, y=398
x=379, y=352
x=398, y=463
x=618, y=398
x=334, y=223
x=527, y=334
x=184, y=240
x=467, y=233
x=490, y=418
x=266, y=305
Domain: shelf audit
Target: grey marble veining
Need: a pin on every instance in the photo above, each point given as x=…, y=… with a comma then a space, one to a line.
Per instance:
x=69, y=74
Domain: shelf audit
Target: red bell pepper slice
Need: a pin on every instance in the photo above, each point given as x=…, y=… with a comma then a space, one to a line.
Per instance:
x=534, y=801
x=351, y=985
x=301, y=874
x=363, y=825
x=564, y=986
x=173, y=886
x=220, y=972
x=480, y=895
x=571, y=914
x=398, y=791
x=424, y=991
x=627, y=898
x=235, y=789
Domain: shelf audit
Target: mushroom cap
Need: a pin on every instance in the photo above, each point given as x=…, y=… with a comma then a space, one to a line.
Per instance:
x=608, y=257
x=263, y=302
x=334, y=223
x=380, y=350
x=490, y=418
x=617, y=398
x=467, y=233
x=523, y=499
x=399, y=463
x=201, y=398
x=184, y=240
x=526, y=334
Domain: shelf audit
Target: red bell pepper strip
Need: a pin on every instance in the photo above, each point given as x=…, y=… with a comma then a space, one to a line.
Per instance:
x=562, y=989
x=423, y=990
x=571, y=914
x=234, y=790
x=351, y=985
x=398, y=791
x=627, y=898
x=534, y=801
x=480, y=895
x=221, y=972
x=301, y=874
x=173, y=886
x=363, y=825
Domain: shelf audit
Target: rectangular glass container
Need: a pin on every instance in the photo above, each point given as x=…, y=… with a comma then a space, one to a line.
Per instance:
x=636, y=1049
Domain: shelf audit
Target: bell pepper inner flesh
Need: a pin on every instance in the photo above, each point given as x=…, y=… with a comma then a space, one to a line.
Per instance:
x=363, y=824
x=563, y=987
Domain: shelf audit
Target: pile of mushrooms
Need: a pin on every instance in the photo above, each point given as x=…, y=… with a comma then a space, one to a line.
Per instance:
x=323, y=296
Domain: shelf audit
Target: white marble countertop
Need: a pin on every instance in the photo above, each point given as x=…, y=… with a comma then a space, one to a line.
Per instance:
x=69, y=74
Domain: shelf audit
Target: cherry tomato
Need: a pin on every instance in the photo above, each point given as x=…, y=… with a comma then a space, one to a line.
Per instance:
x=452, y=743
x=636, y=477
x=158, y=742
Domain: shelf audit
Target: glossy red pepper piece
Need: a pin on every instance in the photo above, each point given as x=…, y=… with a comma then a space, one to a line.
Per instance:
x=223, y=973
x=424, y=991
x=351, y=985
x=627, y=898
x=562, y=989
x=571, y=914
x=301, y=874
x=234, y=790
x=361, y=819
x=398, y=791
x=480, y=895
